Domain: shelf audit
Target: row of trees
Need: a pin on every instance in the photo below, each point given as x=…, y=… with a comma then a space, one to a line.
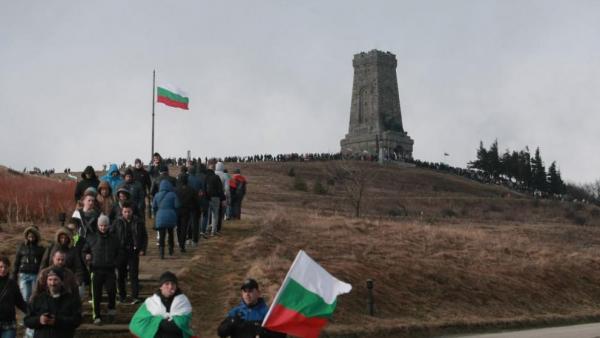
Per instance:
x=528, y=171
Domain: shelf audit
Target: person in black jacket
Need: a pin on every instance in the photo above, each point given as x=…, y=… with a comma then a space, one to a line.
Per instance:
x=89, y=179
x=143, y=177
x=188, y=198
x=10, y=297
x=132, y=233
x=103, y=251
x=27, y=261
x=55, y=313
x=215, y=195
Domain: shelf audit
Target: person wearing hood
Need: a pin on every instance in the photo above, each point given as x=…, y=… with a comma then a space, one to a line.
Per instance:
x=89, y=179
x=113, y=177
x=27, y=261
x=165, y=205
x=165, y=314
x=213, y=190
x=245, y=320
x=141, y=176
x=63, y=240
x=105, y=198
x=123, y=194
x=224, y=176
x=136, y=196
x=188, y=198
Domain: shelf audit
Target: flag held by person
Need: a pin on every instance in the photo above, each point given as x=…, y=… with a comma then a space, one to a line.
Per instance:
x=172, y=96
x=306, y=299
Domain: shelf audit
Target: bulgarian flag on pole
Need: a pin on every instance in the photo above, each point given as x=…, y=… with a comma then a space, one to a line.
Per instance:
x=306, y=299
x=172, y=96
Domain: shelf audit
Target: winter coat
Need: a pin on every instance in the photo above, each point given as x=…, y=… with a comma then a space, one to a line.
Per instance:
x=105, y=203
x=237, y=185
x=66, y=310
x=213, y=186
x=106, y=250
x=188, y=198
x=245, y=321
x=89, y=222
x=143, y=177
x=89, y=179
x=72, y=259
x=165, y=205
x=10, y=297
x=136, y=196
x=113, y=181
x=156, y=183
x=132, y=235
x=29, y=255
x=220, y=171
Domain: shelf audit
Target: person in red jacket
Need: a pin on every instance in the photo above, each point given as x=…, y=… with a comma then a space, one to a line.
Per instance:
x=237, y=188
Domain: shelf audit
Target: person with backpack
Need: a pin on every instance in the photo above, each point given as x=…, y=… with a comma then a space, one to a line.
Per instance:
x=237, y=186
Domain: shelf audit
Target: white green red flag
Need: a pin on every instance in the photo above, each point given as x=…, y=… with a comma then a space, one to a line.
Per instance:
x=306, y=299
x=172, y=96
x=146, y=320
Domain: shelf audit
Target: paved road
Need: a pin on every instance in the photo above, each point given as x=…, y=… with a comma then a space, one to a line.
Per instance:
x=574, y=331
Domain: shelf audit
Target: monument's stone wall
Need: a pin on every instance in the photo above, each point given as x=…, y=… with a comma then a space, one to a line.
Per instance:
x=375, y=116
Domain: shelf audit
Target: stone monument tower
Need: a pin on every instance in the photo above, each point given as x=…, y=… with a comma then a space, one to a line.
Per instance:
x=375, y=117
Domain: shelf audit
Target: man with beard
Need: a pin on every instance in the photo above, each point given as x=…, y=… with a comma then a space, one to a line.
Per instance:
x=69, y=281
x=55, y=312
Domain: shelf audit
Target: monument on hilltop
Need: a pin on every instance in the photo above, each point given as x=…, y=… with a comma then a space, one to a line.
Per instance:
x=375, y=117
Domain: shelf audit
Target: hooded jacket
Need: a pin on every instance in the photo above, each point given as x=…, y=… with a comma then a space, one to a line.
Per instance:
x=165, y=205
x=220, y=171
x=29, y=254
x=244, y=321
x=113, y=181
x=213, y=186
x=105, y=203
x=89, y=179
x=66, y=310
x=132, y=235
x=72, y=259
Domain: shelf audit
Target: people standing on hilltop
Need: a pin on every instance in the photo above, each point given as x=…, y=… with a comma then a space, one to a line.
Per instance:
x=187, y=198
x=103, y=251
x=105, y=198
x=113, y=177
x=10, y=298
x=141, y=176
x=131, y=230
x=89, y=179
x=165, y=205
x=27, y=261
x=215, y=195
x=54, y=312
x=165, y=314
x=237, y=187
x=245, y=320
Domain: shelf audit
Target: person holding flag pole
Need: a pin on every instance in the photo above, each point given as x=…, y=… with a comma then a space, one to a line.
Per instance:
x=306, y=299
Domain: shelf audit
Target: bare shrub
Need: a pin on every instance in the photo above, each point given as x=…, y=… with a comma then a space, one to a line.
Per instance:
x=300, y=184
x=352, y=181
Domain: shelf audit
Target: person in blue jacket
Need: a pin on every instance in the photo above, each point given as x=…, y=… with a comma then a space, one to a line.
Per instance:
x=244, y=320
x=113, y=177
x=165, y=205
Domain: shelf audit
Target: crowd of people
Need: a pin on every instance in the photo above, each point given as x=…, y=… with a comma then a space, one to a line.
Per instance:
x=99, y=248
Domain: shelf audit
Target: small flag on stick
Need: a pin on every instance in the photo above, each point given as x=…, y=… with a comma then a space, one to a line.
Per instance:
x=306, y=299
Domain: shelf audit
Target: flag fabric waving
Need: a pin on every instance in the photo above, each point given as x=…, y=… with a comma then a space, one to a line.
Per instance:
x=306, y=299
x=172, y=96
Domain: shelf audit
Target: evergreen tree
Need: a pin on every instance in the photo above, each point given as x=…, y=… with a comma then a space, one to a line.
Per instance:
x=556, y=184
x=524, y=165
x=539, y=172
x=480, y=162
x=493, y=160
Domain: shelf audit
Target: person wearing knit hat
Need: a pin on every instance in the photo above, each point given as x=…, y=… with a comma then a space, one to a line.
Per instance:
x=46, y=317
x=103, y=251
x=167, y=313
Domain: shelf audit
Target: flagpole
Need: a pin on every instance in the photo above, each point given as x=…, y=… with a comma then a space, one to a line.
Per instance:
x=153, y=99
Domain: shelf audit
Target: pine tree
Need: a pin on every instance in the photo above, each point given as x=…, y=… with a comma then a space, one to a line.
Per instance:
x=493, y=160
x=480, y=162
x=539, y=172
x=556, y=184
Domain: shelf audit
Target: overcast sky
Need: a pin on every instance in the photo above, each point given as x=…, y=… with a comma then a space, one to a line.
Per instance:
x=276, y=77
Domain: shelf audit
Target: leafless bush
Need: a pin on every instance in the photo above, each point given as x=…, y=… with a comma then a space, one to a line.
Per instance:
x=352, y=182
